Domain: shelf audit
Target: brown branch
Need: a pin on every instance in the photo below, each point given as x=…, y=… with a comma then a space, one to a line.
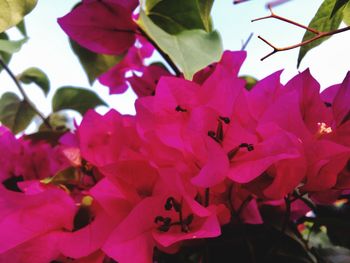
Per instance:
x=274, y=16
x=271, y=3
x=24, y=95
x=239, y=1
x=318, y=34
x=276, y=3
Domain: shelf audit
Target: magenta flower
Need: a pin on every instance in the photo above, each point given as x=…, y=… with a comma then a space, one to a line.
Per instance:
x=103, y=27
x=29, y=220
x=116, y=78
x=145, y=85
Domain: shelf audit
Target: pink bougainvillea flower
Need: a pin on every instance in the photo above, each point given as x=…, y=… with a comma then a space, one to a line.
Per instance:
x=103, y=27
x=106, y=139
x=40, y=160
x=300, y=110
x=231, y=61
x=245, y=205
x=145, y=85
x=115, y=78
x=94, y=221
x=265, y=165
x=156, y=222
x=10, y=149
x=24, y=218
x=22, y=159
x=41, y=249
x=336, y=98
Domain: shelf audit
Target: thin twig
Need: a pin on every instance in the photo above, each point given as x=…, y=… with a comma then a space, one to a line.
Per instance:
x=24, y=95
x=318, y=34
x=245, y=44
x=161, y=52
x=273, y=15
x=271, y=3
x=276, y=3
x=239, y=1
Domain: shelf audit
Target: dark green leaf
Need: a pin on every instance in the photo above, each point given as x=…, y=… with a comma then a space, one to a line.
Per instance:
x=51, y=137
x=10, y=46
x=94, y=64
x=191, y=50
x=176, y=16
x=13, y=11
x=67, y=176
x=77, y=99
x=14, y=113
x=37, y=76
x=338, y=5
x=6, y=57
x=346, y=13
x=58, y=122
x=21, y=26
x=323, y=22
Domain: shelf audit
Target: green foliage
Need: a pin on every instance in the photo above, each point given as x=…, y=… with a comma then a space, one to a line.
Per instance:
x=191, y=50
x=64, y=177
x=37, y=76
x=49, y=136
x=58, y=122
x=21, y=26
x=176, y=16
x=6, y=57
x=346, y=14
x=94, y=64
x=338, y=5
x=15, y=113
x=323, y=21
x=13, y=11
x=10, y=46
x=78, y=99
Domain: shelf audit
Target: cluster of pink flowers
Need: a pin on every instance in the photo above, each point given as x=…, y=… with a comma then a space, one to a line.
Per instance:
x=109, y=27
x=198, y=155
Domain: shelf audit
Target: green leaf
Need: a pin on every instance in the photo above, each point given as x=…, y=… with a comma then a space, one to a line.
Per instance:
x=94, y=64
x=10, y=46
x=346, y=14
x=51, y=137
x=338, y=5
x=67, y=176
x=6, y=57
x=191, y=50
x=176, y=16
x=13, y=11
x=77, y=99
x=21, y=26
x=14, y=113
x=323, y=22
x=37, y=76
x=58, y=122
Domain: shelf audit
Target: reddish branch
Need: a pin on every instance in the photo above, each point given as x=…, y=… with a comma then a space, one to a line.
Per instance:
x=318, y=34
x=276, y=3
x=271, y=3
x=239, y=1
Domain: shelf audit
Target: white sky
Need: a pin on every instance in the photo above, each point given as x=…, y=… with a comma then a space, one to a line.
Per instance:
x=49, y=50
